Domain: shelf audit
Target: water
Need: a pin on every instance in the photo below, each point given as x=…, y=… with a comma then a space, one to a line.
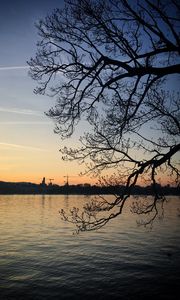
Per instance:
x=40, y=258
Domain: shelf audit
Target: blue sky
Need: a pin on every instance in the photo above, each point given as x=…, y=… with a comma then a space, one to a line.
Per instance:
x=28, y=146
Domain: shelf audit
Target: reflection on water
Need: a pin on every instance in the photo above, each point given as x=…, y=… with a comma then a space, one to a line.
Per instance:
x=40, y=258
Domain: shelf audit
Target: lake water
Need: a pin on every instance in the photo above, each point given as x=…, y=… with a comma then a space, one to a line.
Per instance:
x=40, y=258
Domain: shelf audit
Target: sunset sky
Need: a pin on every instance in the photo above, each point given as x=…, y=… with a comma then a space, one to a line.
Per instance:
x=29, y=150
x=28, y=146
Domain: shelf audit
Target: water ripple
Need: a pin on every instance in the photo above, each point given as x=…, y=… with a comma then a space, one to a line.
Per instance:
x=41, y=259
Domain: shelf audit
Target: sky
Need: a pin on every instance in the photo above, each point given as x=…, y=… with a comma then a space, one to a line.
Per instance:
x=29, y=149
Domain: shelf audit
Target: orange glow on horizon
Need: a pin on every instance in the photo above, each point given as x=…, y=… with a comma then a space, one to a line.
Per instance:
x=59, y=180
x=72, y=179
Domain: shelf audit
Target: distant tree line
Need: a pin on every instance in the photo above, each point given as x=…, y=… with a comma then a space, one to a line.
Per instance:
x=32, y=188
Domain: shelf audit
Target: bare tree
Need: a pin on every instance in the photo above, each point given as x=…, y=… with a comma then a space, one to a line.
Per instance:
x=113, y=63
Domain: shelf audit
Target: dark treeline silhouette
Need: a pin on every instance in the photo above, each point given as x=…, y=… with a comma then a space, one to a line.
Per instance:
x=84, y=189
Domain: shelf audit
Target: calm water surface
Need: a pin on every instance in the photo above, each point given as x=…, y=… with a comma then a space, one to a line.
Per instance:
x=40, y=258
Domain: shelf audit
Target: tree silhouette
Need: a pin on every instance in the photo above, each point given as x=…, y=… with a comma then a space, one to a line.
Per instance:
x=113, y=63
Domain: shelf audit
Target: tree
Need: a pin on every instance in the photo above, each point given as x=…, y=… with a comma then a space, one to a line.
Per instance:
x=113, y=63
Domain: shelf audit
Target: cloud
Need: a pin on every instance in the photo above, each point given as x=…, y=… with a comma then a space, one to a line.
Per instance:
x=21, y=111
x=13, y=68
x=21, y=147
x=24, y=123
x=28, y=112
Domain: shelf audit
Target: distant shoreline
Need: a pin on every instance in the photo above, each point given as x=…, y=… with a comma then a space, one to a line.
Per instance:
x=28, y=188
